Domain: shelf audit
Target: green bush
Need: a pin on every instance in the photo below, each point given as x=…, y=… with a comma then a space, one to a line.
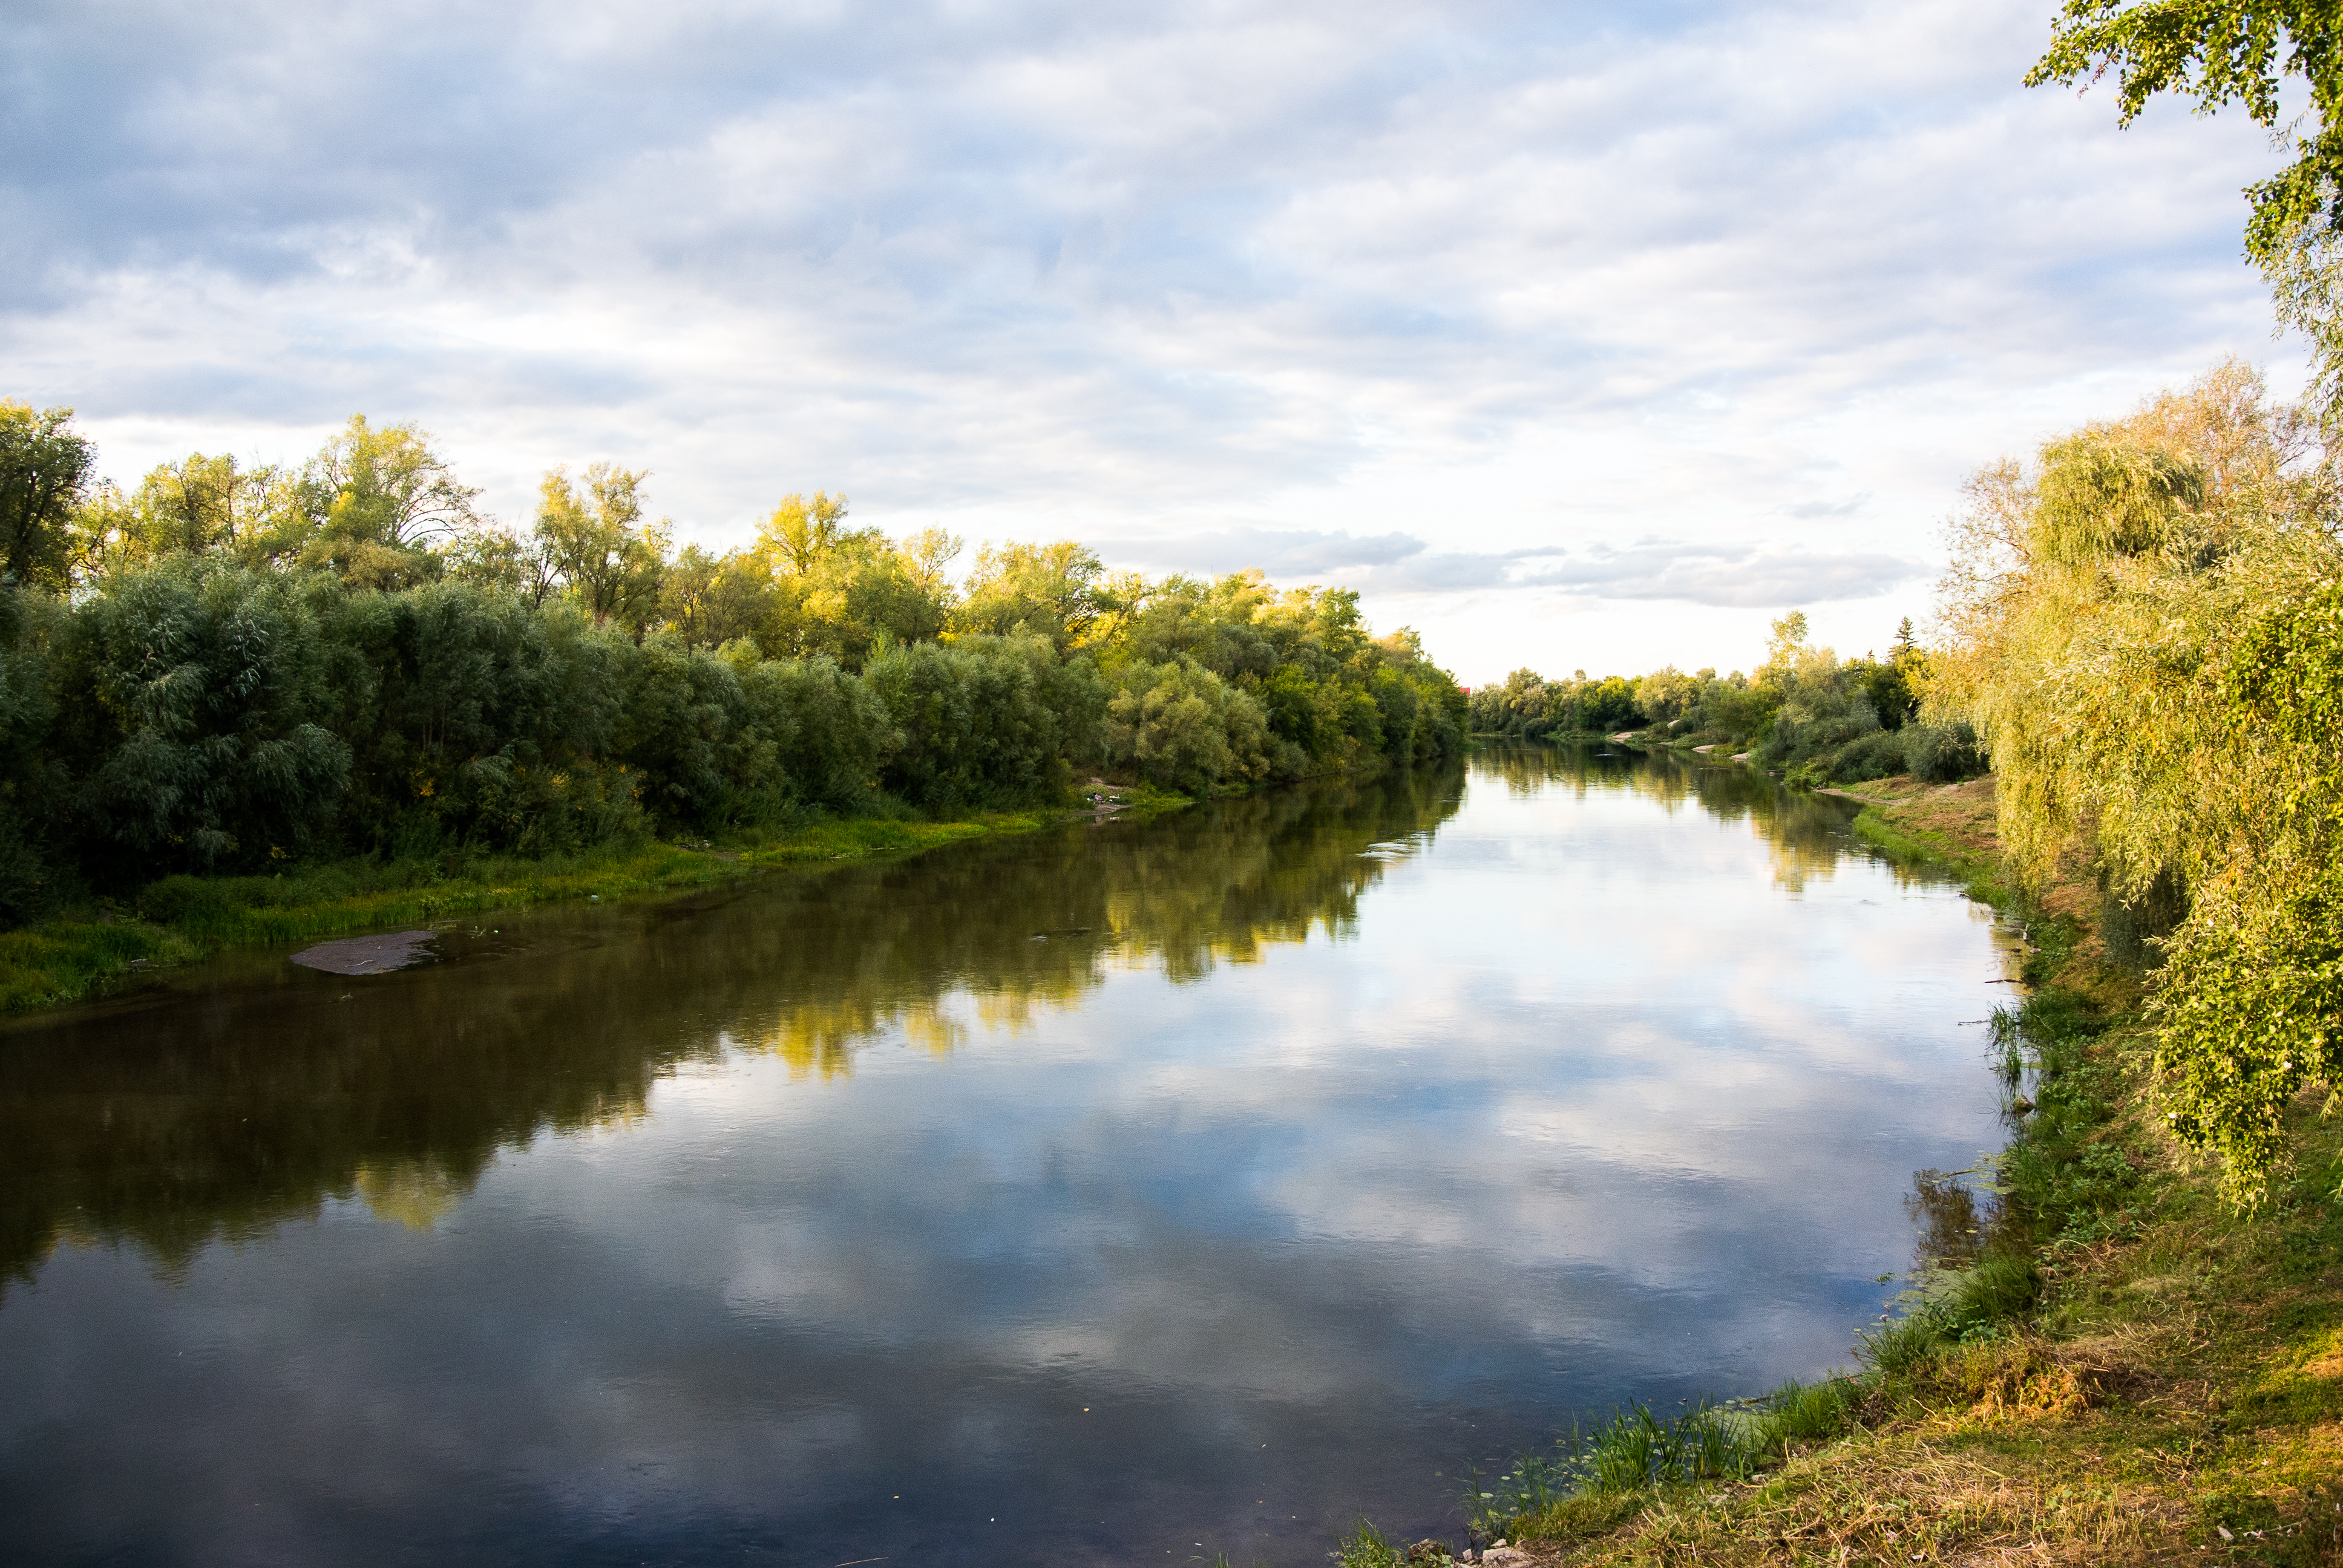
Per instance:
x=985, y=720
x=1181, y=726
x=1944, y=753
x=194, y=690
x=1806, y=1413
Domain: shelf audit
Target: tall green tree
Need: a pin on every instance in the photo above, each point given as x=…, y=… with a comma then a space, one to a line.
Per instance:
x=374, y=499
x=1055, y=590
x=596, y=541
x=197, y=506
x=45, y=470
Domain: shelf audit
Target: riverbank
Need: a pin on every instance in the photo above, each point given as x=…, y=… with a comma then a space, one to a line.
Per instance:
x=2109, y=1366
x=97, y=947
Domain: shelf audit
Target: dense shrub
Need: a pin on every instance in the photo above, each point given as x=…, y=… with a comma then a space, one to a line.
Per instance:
x=32, y=785
x=986, y=718
x=192, y=693
x=233, y=665
x=1179, y=725
x=1944, y=753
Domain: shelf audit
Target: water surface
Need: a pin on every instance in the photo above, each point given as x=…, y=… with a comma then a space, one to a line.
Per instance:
x=1123, y=1193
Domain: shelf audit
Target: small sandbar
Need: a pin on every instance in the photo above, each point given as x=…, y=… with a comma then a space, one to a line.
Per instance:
x=368, y=955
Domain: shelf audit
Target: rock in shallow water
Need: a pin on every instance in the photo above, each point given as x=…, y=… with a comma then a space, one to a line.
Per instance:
x=368, y=955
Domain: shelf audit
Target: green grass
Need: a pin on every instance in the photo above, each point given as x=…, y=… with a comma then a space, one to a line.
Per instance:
x=180, y=919
x=1982, y=880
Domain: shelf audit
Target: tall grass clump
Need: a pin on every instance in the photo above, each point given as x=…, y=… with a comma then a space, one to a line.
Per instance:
x=1637, y=1450
x=1802, y=1412
x=1368, y=1547
x=1596, y=1475
x=1959, y=1307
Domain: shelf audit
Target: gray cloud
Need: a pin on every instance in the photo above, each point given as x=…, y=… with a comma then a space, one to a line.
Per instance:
x=1553, y=275
x=1744, y=576
x=1740, y=575
x=1281, y=552
x=1761, y=576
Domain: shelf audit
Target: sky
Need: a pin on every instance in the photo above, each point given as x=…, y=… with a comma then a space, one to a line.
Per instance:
x=1574, y=335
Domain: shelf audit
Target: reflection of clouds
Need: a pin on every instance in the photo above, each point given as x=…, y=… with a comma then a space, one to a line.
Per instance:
x=1684, y=1098
x=1583, y=1106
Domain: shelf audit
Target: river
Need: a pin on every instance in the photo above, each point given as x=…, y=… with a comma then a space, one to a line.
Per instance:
x=1124, y=1193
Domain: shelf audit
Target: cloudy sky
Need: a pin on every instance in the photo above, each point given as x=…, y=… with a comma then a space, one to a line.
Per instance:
x=1573, y=335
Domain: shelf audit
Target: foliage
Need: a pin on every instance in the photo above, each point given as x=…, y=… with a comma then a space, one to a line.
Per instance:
x=1179, y=726
x=190, y=697
x=2144, y=631
x=257, y=666
x=197, y=506
x=44, y=467
x=30, y=784
x=1530, y=705
x=372, y=500
x=984, y=719
x=2241, y=52
x=2231, y=51
x=1802, y=711
x=1057, y=592
x=594, y=540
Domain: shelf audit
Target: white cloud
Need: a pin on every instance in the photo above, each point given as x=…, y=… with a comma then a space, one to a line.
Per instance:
x=1525, y=284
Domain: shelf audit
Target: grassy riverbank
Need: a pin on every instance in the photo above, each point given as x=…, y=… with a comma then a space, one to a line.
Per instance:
x=2113, y=1366
x=95, y=947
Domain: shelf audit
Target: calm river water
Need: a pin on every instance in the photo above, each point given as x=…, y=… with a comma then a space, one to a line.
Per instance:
x=1125, y=1193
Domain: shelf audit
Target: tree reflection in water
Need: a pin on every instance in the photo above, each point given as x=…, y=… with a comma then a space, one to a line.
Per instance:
x=229, y=1104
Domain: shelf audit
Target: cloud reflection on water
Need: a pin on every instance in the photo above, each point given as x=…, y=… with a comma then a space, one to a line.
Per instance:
x=787, y=1201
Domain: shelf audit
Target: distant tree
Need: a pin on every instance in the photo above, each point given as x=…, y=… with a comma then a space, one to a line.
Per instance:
x=197, y=506
x=1057, y=591
x=1666, y=695
x=1906, y=647
x=596, y=541
x=686, y=594
x=843, y=591
x=1786, y=641
x=44, y=469
x=374, y=500
x=927, y=557
x=493, y=557
x=803, y=535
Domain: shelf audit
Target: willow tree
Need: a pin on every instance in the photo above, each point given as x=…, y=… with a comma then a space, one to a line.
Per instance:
x=594, y=536
x=2133, y=624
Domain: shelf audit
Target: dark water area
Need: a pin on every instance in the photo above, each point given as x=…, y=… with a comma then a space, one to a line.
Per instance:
x=1125, y=1193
